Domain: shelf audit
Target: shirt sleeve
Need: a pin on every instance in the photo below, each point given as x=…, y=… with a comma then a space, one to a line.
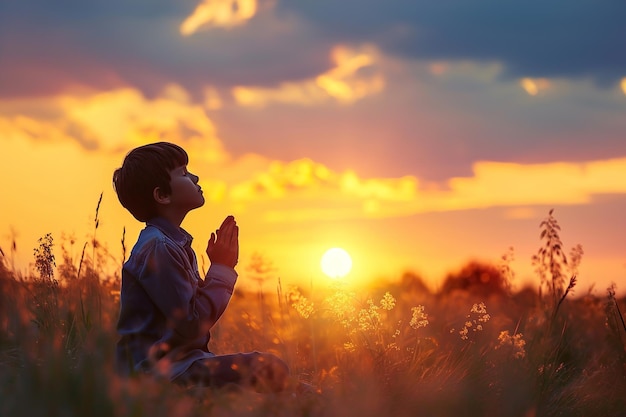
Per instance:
x=191, y=307
x=217, y=286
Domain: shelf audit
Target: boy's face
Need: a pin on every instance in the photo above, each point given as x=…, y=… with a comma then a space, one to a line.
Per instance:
x=186, y=194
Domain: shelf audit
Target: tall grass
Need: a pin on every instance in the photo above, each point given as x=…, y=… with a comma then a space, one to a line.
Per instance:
x=475, y=348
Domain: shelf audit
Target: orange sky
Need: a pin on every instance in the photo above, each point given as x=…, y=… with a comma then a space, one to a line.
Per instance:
x=417, y=164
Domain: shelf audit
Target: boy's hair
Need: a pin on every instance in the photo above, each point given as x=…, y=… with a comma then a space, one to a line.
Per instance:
x=145, y=168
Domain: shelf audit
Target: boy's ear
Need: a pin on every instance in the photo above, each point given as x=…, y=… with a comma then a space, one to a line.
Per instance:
x=159, y=196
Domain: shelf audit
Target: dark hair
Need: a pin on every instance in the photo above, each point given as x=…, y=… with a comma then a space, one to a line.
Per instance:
x=145, y=168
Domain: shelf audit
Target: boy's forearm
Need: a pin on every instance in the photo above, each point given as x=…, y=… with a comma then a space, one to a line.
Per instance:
x=219, y=276
x=217, y=290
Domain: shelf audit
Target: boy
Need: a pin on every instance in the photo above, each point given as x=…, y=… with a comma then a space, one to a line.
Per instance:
x=167, y=309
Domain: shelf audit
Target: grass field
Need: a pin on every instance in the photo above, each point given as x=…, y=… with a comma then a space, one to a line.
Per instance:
x=473, y=348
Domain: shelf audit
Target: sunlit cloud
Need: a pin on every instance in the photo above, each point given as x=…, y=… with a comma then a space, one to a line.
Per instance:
x=513, y=184
x=344, y=83
x=304, y=189
x=386, y=189
x=534, y=86
x=115, y=120
x=623, y=84
x=281, y=179
x=20, y=127
x=218, y=13
x=306, y=177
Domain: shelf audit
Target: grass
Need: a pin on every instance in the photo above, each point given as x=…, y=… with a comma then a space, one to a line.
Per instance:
x=475, y=348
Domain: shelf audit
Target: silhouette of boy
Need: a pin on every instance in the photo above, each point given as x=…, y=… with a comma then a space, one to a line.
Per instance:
x=167, y=309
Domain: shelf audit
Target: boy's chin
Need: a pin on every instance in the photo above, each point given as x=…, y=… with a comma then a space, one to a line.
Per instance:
x=195, y=206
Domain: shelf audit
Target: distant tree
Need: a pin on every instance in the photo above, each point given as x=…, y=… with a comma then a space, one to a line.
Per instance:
x=526, y=297
x=413, y=283
x=476, y=278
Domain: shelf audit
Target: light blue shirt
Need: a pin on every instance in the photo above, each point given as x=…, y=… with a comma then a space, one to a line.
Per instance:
x=167, y=310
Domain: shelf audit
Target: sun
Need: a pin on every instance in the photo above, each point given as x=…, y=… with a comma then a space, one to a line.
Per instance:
x=336, y=263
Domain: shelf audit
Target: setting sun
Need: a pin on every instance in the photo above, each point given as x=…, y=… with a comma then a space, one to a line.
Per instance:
x=336, y=263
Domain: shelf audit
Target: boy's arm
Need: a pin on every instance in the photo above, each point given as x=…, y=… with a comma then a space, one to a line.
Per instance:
x=216, y=291
x=190, y=310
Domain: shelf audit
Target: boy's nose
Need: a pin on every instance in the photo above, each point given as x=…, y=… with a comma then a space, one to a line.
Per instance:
x=194, y=178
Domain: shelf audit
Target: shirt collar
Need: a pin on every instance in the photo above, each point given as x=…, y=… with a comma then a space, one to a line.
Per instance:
x=178, y=234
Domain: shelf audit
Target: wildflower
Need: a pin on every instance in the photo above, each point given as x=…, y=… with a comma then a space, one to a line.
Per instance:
x=479, y=308
x=516, y=343
x=463, y=332
x=418, y=318
x=484, y=318
x=304, y=307
x=341, y=307
x=369, y=318
x=388, y=302
x=300, y=303
x=393, y=346
x=479, y=311
x=349, y=346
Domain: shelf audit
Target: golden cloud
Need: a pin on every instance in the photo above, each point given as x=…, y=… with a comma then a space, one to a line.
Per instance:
x=534, y=86
x=281, y=179
x=343, y=83
x=218, y=13
x=304, y=189
x=115, y=120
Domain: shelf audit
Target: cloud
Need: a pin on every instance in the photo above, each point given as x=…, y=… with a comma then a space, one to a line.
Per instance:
x=224, y=43
x=344, y=82
x=114, y=121
x=305, y=190
x=532, y=39
x=137, y=43
x=305, y=177
x=219, y=13
x=534, y=86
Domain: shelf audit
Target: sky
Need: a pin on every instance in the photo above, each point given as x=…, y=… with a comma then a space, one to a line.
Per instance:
x=416, y=135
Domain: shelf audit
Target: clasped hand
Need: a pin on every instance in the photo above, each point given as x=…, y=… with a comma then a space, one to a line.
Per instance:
x=223, y=247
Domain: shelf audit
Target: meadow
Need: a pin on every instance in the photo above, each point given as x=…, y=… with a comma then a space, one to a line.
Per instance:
x=475, y=347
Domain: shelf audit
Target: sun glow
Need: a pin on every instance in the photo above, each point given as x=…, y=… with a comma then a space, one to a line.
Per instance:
x=336, y=263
